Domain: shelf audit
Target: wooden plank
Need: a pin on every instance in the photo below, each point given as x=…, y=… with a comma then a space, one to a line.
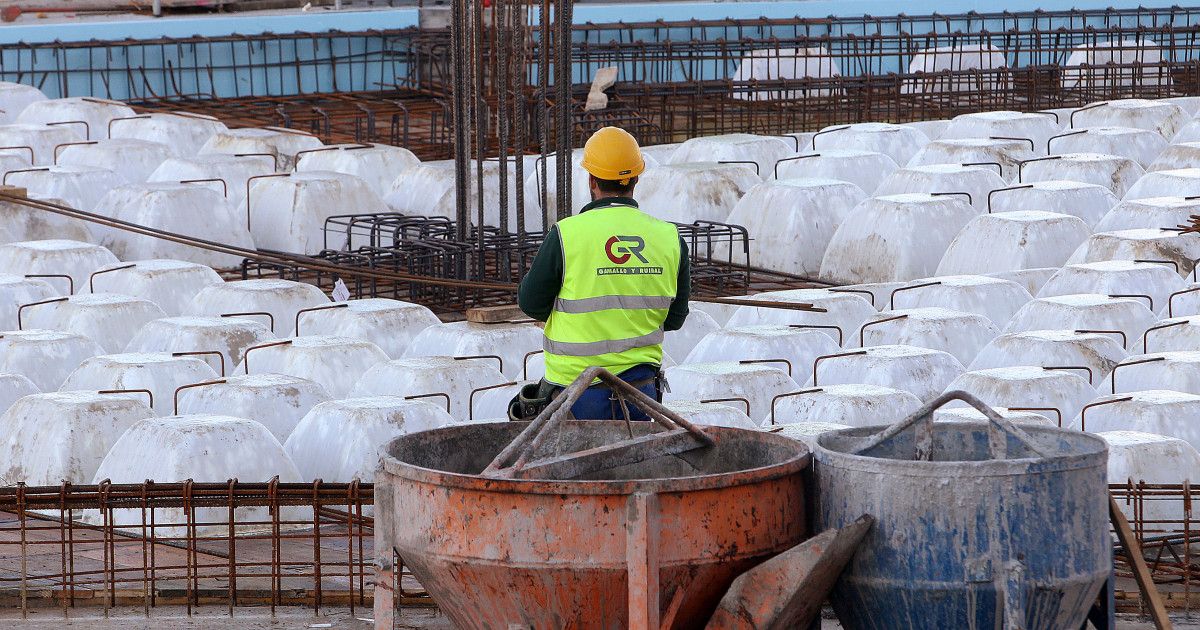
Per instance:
x=641, y=559
x=496, y=314
x=14, y=191
x=1141, y=573
x=609, y=456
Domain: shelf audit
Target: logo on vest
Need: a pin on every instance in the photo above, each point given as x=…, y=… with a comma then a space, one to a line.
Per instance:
x=620, y=249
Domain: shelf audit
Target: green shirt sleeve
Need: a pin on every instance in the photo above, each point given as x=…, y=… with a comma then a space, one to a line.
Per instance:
x=678, y=312
x=540, y=287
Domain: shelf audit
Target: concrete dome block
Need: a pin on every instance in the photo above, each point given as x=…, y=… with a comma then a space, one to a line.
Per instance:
x=1184, y=303
x=845, y=311
x=660, y=153
x=492, y=403
x=1096, y=351
x=229, y=336
x=376, y=164
x=283, y=144
x=16, y=290
x=1157, y=411
x=93, y=112
x=1009, y=241
x=1177, y=334
x=806, y=432
x=1146, y=457
x=289, y=213
x=1181, y=182
x=1190, y=104
x=1189, y=133
x=40, y=140
x=764, y=151
x=510, y=342
x=70, y=258
x=342, y=440
x=699, y=191
x=581, y=195
x=427, y=189
x=877, y=242
x=756, y=382
x=390, y=324
x=80, y=187
x=425, y=376
x=1032, y=279
x=1151, y=213
x=132, y=160
x=1140, y=244
x=944, y=69
x=159, y=373
x=1163, y=118
x=1090, y=67
x=865, y=169
x=1117, y=277
x=1008, y=153
x=1085, y=311
x=720, y=313
x=933, y=129
x=698, y=325
x=46, y=439
x=1114, y=172
x=975, y=181
x=793, y=220
x=798, y=346
x=337, y=363
x=1089, y=202
x=183, y=134
x=994, y=298
x=1026, y=386
x=278, y=401
x=108, y=318
x=171, y=284
x=1140, y=145
x=14, y=98
x=898, y=142
x=1177, y=371
x=282, y=299
x=22, y=222
x=234, y=171
x=1177, y=156
x=960, y=334
x=14, y=387
x=785, y=64
x=923, y=372
x=877, y=293
x=970, y=414
x=1036, y=126
x=46, y=357
x=712, y=414
x=857, y=405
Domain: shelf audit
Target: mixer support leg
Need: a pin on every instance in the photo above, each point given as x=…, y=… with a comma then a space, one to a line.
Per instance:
x=1103, y=613
x=385, y=610
x=641, y=558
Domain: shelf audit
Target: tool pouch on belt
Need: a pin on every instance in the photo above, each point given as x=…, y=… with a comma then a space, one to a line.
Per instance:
x=528, y=403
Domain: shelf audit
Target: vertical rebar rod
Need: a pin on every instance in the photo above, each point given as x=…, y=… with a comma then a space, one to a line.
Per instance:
x=563, y=81
x=458, y=71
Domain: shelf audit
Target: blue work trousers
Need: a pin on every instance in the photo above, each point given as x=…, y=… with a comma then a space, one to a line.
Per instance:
x=600, y=403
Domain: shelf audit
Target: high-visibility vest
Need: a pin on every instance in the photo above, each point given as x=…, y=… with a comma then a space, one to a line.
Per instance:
x=620, y=275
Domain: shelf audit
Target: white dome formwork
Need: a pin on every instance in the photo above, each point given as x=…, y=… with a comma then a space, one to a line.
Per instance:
x=14, y=387
x=944, y=68
x=1176, y=371
x=1006, y=153
x=1177, y=156
x=865, y=169
x=798, y=346
x=1110, y=65
x=789, y=65
x=158, y=373
x=1149, y=458
x=506, y=345
x=443, y=381
x=923, y=372
x=1117, y=277
x=843, y=311
x=1008, y=241
x=276, y=301
x=698, y=325
x=933, y=129
x=46, y=357
x=857, y=405
x=962, y=335
x=1183, y=182
x=719, y=313
x=284, y=144
x=1190, y=104
x=132, y=160
x=806, y=432
x=1140, y=244
x=1097, y=351
x=342, y=440
x=14, y=98
x=1151, y=213
x=1089, y=202
x=389, y=324
x=1037, y=126
x=1085, y=311
x=1177, y=334
x=278, y=401
x=171, y=284
x=490, y=404
x=1113, y=172
x=792, y=221
x=88, y=116
x=581, y=195
x=1183, y=303
x=377, y=165
x=878, y=242
x=712, y=414
x=427, y=189
x=659, y=153
x=704, y=191
x=38, y=141
x=337, y=363
x=46, y=439
x=1030, y=387
x=66, y=259
x=763, y=151
x=204, y=336
x=232, y=171
x=971, y=414
x=1031, y=279
x=877, y=293
x=1139, y=145
x=898, y=142
x=21, y=222
x=973, y=183
x=756, y=383
x=1157, y=411
x=184, y=133
x=17, y=290
x=288, y=213
x=108, y=318
x=80, y=187
x=993, y=298
x=1161, y=117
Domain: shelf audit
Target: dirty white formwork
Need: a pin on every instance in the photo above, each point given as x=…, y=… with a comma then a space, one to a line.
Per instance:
x=659, y=153
x=787, y=65
x=284, y=144
x=109, y=319
x=132, y=160
x=1190, y=104
x=856, y=405
x=581, y=194
x=1028, y=387
x=1181, y=182
x=288, y=213
x=12, y=160
x=704, y=191
x=1085, y=311
x=1178, y=371
x=1113, y=172
x=719, y=313
x=806, y=432
x=971, y=183
x=1189, y=133
x=933, y=129
x=898, y=142
x=698, y=325
x=184, y=133
x=233, y=171
x=427, y=189
x=792, y=221
x=994, y=298
x=46, y=357
x=1037, y=126
x=20, y=221
x=1140, y=145
x=1090, y=65
x=171, y=284
x=337, y=363
x=281, y=300
x=1156, y=282
x=14, y=98
x=229, y=336
x=491, y=404
x=1157, y=411
x=1145, y=457
x=1089, y=202
x=535, y=368
x=798, y=346
x=1009, y=241
x=945, y=69
x=845, y=311
x=865, y=169
x=762, y=151
x=1002, y=156
x=389, y=324
x=88, y=116
x=757, y=383
x=971, y=414
x=1171, y=335
x=497, y=344
x=74, y=259
x=1097, y=351
x=342, y=440
x=158, y=373
x=443, y=381
x=14, y=387
x=1159, y=116
x=278, y=401
x=1141, y=244
x=46, y=439
x=712, y=414
x=1177, y=156
x=923, y=372
x=80, y=187
x=1184, y=303
x=892, y=238
x=16, y=290
x=960, y=334
x=38, y=141
x=377, y=165
x=877, y=293
x=1150, y=213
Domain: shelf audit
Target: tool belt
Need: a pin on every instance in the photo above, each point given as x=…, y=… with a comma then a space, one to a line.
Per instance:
x=535, y=397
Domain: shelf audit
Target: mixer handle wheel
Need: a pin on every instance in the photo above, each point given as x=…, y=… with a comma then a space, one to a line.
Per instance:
x=998, y=429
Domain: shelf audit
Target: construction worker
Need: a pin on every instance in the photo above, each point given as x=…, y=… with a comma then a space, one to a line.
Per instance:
x=608, y=282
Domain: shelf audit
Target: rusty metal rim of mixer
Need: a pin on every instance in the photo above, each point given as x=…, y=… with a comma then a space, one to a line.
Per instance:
x=665, y=485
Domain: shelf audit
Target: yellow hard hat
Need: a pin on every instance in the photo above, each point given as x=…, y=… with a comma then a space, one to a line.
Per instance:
x=613, y=154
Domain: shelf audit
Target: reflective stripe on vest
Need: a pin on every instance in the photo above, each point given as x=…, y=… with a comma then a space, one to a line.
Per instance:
x=605, y=302
x=593, y=348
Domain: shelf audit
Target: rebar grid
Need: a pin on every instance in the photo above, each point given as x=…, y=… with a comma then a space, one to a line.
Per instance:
x=1163, y=522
